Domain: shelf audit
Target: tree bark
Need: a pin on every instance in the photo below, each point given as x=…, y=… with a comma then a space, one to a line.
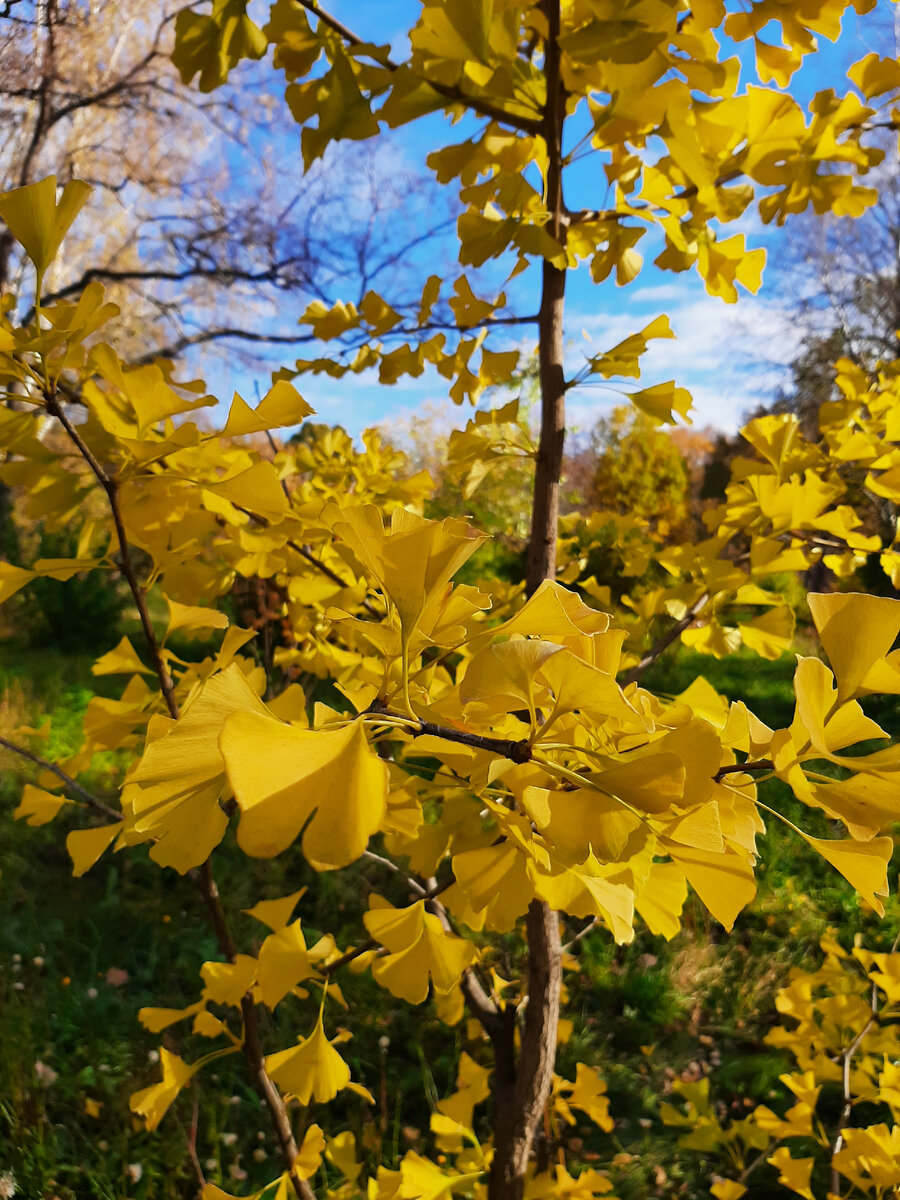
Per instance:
x=521, y=1085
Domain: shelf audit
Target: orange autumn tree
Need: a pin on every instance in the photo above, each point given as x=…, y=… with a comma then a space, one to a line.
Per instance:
x=494, y=743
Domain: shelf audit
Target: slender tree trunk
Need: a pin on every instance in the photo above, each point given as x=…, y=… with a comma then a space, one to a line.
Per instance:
x=521, y=1085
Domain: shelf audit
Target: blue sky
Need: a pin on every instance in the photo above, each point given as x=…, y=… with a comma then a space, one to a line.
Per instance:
x=731, y=357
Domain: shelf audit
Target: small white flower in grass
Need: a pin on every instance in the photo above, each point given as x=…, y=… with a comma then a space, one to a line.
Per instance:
x=45, y=1074
x=18, y=987
x=37, y=961
x=259, y=1155
x=152, y=1056
x=227, y=1139
x=237, y=1172
x=92, y=993
x=211, y=1164
x=134, y=1171
x=7, y=1185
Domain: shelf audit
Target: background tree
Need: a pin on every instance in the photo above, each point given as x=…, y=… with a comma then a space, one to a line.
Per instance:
x=198, y=227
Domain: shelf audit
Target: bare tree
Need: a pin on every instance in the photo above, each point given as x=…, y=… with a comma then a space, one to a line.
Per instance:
x=215, y=223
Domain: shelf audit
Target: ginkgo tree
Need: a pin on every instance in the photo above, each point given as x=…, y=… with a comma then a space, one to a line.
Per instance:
x=494, y=740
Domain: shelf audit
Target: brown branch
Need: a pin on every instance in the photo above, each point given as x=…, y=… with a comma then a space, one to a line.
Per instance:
x=764, y=764
x=594, y=923
x=253, y=1053
x=88, y=797
x=665, y=641
x=516, y=751
x=111, y=487
x=847, y=1108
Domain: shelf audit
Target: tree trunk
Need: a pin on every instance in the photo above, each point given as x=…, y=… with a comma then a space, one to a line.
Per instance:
x=521, y=1086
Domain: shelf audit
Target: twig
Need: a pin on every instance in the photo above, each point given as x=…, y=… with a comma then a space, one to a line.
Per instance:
x=516, y=751
x=764, y=764
x=847, y=1109
x=392, y=866
x=582, y=933
x=253, y=1053
x=665, y=641
x=111, y=487
x=190, y=1136
x=88, y=797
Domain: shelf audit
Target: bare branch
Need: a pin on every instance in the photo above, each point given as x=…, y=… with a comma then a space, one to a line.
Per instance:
x=665, y=641
x=73, y=786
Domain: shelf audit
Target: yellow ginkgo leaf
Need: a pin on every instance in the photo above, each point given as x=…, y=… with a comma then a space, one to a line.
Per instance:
x=413, y=561
x=37, y=222
x=421, y=1179
x=283, y=963
x=495, y=883
x=276, y=913
x=37, y=806
x=123, y=660
x=187, y=757
x=502, y=678
x=863, y=864
x=662, y=898
x=158, y=1019
x=724, y=882
x=329, y=784
x=584, y=890
x=580, y=820
x=728, y=1189
x=831, y=726
x=193, y=616
x=579, y=687
x=86, y=845
x=282, y=405
x=313, y=1069
x=309, y=1156
x=856, y=631
x=793, y=1173
x=12, y=580
x=588, y=1093
x=420, y=949
x=227, y=983
x=152, y=1103
x=342, y=1152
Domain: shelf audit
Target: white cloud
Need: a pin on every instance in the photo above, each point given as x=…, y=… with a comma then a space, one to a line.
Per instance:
x=730, y=357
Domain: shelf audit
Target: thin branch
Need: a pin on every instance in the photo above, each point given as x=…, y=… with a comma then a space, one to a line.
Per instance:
x=392, y=866
x=582, y=933
x=516, y=751
x=665, y=641
x=847, y=1108
x=253, y=1053
x=764, y=764
x=76, y=788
